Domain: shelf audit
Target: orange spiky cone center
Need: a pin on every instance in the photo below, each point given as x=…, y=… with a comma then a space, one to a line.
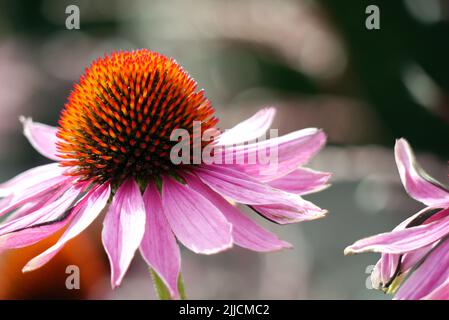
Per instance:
x=119, y=117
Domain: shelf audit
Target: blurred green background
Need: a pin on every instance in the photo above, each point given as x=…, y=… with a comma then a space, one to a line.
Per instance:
x=314, y=60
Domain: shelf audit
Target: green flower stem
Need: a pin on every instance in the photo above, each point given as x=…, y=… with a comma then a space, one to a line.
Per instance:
x=162, y=290
x=181, y=288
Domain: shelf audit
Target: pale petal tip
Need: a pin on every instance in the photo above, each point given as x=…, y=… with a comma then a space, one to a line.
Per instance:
x=116, y=282
x=402, y=143
x=313, y=130
x=311, y=217
x=321, y=214
x=224, y=247
x=25, y=270
x=281, y=245
x=271, y=109
x=315, y=216
x=33, y=264
x=357, y=248
x=25, y=121
x=285, y=245
x=28, y=267
x=349, y=251
x=207, y=252
x=322, y=136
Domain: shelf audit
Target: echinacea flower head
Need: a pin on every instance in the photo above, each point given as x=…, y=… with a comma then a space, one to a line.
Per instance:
x=112, y=152
x=415, y=256
x=119, y=118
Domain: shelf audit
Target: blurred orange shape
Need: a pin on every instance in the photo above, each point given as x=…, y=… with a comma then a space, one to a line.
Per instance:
x=49, y=282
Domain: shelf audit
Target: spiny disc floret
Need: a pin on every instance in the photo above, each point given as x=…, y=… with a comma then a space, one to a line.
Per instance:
x=119, y=117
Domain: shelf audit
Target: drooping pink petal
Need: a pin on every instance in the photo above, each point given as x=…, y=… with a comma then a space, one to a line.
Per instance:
x=378, y=280
x=35, y=226
x=30, y=178
x=440, y=293
x=31, y=206
x=429, y=276
x=387, y=267
x=302, y=181
x=198, y=224
x=45, y=199
x=123, y=229
x=384, y=270
x=34, y=193
x=250, y=129
x=5, y=202
x=405, y=240
x=242, y=188
x=245, y=232
x=277, y=205
x=42, y=137
x=83, y=214
x=417, y=182
x=410, y=259
x=274, y=158
x=62, y=199
x=159, y=247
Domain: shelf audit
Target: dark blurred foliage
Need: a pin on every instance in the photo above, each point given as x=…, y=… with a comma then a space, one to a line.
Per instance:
x=27, y=17
x=378, y=59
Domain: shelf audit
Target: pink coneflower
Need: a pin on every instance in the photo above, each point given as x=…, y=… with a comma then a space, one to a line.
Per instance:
x=112, y=151
x=416, y=250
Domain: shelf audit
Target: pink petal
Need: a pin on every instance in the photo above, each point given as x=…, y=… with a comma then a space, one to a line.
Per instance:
x=34, y=193
x=440, y=293
x=302, y=181
x=429, y=276
x=245, y=232
x=386, y=267
x=416, y=181
x=5, y=202
x=198, y=224
x=42, y=137
x=31, y=178
x=31, y=228
x=410, y=259
x=32, y=206
x=284, y=154
x=241, y=187
x=277, y=205
x=123, y=229
x=45, y=199
x=159, y=247
x=83, y=214
x=250, y=129
x=304, y=211
x=61, y=199
x=405, y=240
x=384, y=270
